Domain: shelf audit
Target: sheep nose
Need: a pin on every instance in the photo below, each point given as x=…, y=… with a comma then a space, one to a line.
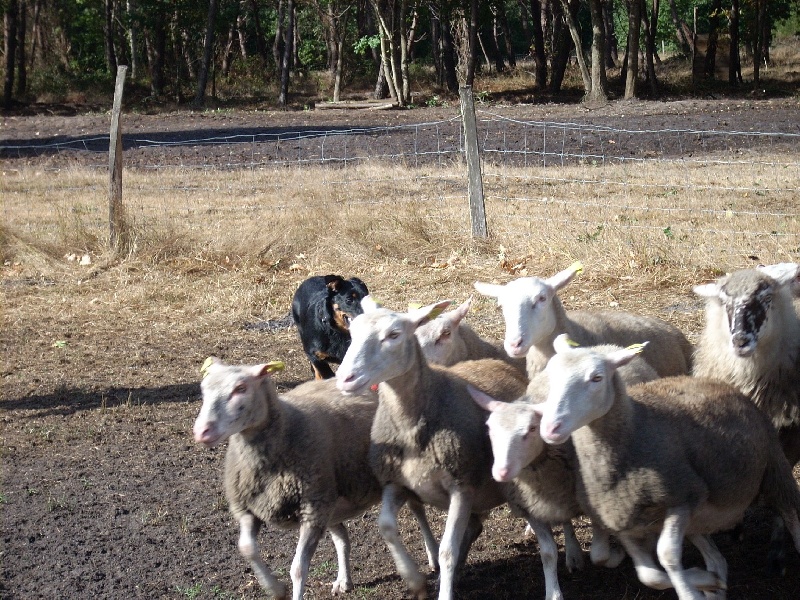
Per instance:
x=203, y=435
x=501, y=474
x=516, y=343
x=552, y=429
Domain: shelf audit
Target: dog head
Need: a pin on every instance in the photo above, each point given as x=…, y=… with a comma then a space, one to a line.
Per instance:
x=344, y=299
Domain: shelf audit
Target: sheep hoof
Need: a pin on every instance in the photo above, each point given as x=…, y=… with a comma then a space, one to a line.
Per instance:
x=341, y=587
x=575, y=562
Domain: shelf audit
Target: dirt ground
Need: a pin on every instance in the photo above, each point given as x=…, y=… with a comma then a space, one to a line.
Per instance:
x=104, y=493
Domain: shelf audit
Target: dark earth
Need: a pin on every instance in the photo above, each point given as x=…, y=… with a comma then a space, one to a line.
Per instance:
x=104, y=493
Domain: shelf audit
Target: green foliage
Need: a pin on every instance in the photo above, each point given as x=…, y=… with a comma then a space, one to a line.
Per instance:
x=366, y=42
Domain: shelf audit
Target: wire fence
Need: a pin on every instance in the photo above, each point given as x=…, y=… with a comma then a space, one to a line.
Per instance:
x=721, y=195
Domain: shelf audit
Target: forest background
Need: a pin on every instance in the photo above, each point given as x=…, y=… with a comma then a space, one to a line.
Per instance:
x=300, y=52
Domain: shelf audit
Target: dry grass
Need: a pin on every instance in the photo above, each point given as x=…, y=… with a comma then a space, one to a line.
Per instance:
x=213, y=249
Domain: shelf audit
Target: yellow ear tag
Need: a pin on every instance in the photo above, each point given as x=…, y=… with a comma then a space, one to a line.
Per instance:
x=274, y=366
x=637, y=347
x=572, y=343
x=206, y=366
x=414, y=306
x=577, y=266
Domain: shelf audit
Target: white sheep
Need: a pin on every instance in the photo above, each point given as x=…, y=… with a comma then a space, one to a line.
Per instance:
x=541, y=481
x=296, y=460
x=448, y=339
x=673, y=458
x=543, y=477
x=534, y=316
x=428, y=437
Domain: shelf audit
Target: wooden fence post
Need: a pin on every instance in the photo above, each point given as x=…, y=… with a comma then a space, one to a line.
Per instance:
x=477, y=209
x=116, y=218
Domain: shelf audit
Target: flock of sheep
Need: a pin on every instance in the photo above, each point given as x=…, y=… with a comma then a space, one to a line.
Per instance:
x=605, y=414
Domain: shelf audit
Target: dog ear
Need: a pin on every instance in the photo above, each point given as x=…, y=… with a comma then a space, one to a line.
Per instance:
x=360, y=286
x=333, y=282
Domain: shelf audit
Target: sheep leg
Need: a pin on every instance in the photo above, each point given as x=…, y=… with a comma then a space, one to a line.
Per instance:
x=548, y=551
x=394, y=497
x=431, y=545
x=792, y=523
x=715, y=562
x=248, y=547
x=601, y=553
x=310, y=535
x=341, y=541
x=473, y=531
x=670, y=550
x=572, y=546
x=650, y=575
x=458, y=516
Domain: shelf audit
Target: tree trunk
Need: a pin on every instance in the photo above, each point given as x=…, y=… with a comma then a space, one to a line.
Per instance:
x=651, y=27
x=436, y=44
x=10, y=50
x=156, y=40
x=682, y=31
x=713, y=34
x=734, y=62
x=35, y=34
x=108, y=35
x=502, y=18
x=611, y=53
x=22, y=73
x=278, y=42
x=632, y=52
x=561, y=44
x=472, y=61
x=227, y=53
x=539, y=55
x=449, y=56
x=576, y=40
x=258, y=30
x=208, y=54
x=599, y=86
x=288, y=53
x=241, y=29
x=758, y=43
x=133, y=38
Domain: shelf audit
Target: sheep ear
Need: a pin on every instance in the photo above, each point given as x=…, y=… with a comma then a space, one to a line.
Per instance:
x=783, y=273
x=422, y=315
x=207, y=364
x=368, y=304
x=269, y=368
x=559, y=280
x=485, y=401
x=621, y=357
x=458, y=314
x=489, y=289
x=707, y=290
x=563, y=343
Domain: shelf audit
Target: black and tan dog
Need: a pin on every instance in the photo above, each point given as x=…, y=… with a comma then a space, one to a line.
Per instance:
x=322, y=308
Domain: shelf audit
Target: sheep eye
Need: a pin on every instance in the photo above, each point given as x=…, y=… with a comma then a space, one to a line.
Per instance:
x=240, y=389
x=393, y=335
x=597, y=377
x=768, y=298
x=445, y=334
